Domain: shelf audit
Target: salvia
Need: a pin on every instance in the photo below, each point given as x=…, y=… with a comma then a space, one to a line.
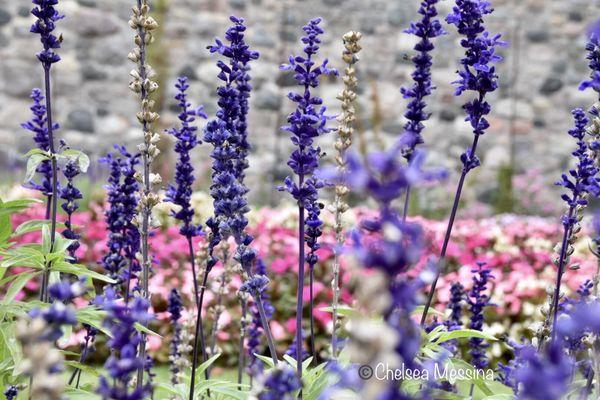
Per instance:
x=305, y=124
x=124, y=361
x=478, y=75
x=387, y=245
x=70, y=194
x=37, y=125
x=478, y=301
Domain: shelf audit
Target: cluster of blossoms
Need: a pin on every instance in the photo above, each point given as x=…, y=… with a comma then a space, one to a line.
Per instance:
x=125, y=359
x=187, y=140
x=581, y=183
x=42, y=361
x=281, y=383
x=70, y=194
x=426, y=29
x=37, y=125
x=175, y=307
x=306, y=123
x=478, y=300
x=120, y=262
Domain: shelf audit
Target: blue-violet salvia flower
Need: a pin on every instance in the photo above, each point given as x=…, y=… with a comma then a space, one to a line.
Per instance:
x=280, y=383
x=427, y=28
x=477, y=75
x=593, y=48
x=71, y=194
x=11, y=393
x=175, y=307
x=305, y=124
x=580, y=183
x=187, y=140
x=230, y=147
x=37, y=126
x=543, y=375
x=123, y=241
x=124, y=361
x=47, y=16
x=478, y=300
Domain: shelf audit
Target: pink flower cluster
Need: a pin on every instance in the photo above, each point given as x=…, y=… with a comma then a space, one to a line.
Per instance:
x=517, y=248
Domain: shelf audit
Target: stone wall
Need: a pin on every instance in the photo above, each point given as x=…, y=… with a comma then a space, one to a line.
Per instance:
x=539, y=76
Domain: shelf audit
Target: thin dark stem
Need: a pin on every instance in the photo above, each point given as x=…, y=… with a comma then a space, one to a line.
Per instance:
x=559, y=273
x=54, y=197
x=199, y=335
x=459, y=189
x=300, y=301
x=311, y=271
x=266, y=327
x=82, y=358
x=242, y=353
x=406, y=203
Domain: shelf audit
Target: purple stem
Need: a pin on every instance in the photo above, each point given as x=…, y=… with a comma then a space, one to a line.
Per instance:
x=300, y=301
x=266, y=327
x=459, y=189
x=561, y=267
x=241, y=354
x=311, y=271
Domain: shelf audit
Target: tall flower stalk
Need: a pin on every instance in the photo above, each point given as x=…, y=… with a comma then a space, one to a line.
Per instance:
x=581, y=181
x=343, y=142
x=143, y=86
x=477, y=75
x=228, y=135
x=181, y=193
x=306, y=123
x=47, y=16
x=427, y=28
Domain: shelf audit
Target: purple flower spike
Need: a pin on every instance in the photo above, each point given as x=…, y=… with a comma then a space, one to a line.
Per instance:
x=477, y=75
x=187, y=140
x=426, y=29
x=305, y=124
x=478, y=300
x=120, y=261
x=38, y=126
x=124, y=361
x=47, y=16
x=593, y=48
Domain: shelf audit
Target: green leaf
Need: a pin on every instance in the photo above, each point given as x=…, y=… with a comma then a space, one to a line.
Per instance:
x=419, y=311
x=15, y=206
x=76, y=394
x=33, y=163
x=83, y=367
x=18, y=285
x=79, y=270
x=5, y=226
x=37, y=151
x=342, y=310
x=83, y=161
x=463, y=333
x=33, y=226
x=147, y=331
x=266, y=360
